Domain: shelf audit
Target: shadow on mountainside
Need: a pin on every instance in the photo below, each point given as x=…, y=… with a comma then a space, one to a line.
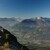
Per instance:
x=7, y=40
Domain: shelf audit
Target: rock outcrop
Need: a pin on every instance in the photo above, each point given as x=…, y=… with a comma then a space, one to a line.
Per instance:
x=9, y=40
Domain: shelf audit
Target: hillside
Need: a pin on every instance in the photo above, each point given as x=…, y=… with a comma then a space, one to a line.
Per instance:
x=32, y=32
x=29, y=32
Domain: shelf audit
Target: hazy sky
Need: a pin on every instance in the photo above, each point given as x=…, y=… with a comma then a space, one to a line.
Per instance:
x=24, y=8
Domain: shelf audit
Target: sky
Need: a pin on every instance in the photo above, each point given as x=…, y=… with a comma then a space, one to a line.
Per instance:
x=24, y=8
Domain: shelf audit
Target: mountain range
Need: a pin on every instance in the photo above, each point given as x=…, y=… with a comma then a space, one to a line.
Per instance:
x=29, y=32
x=33, y=31
x=8, y=22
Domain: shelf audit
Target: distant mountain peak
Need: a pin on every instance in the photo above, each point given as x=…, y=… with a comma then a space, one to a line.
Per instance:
x=29, y=21
x=39, y=18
